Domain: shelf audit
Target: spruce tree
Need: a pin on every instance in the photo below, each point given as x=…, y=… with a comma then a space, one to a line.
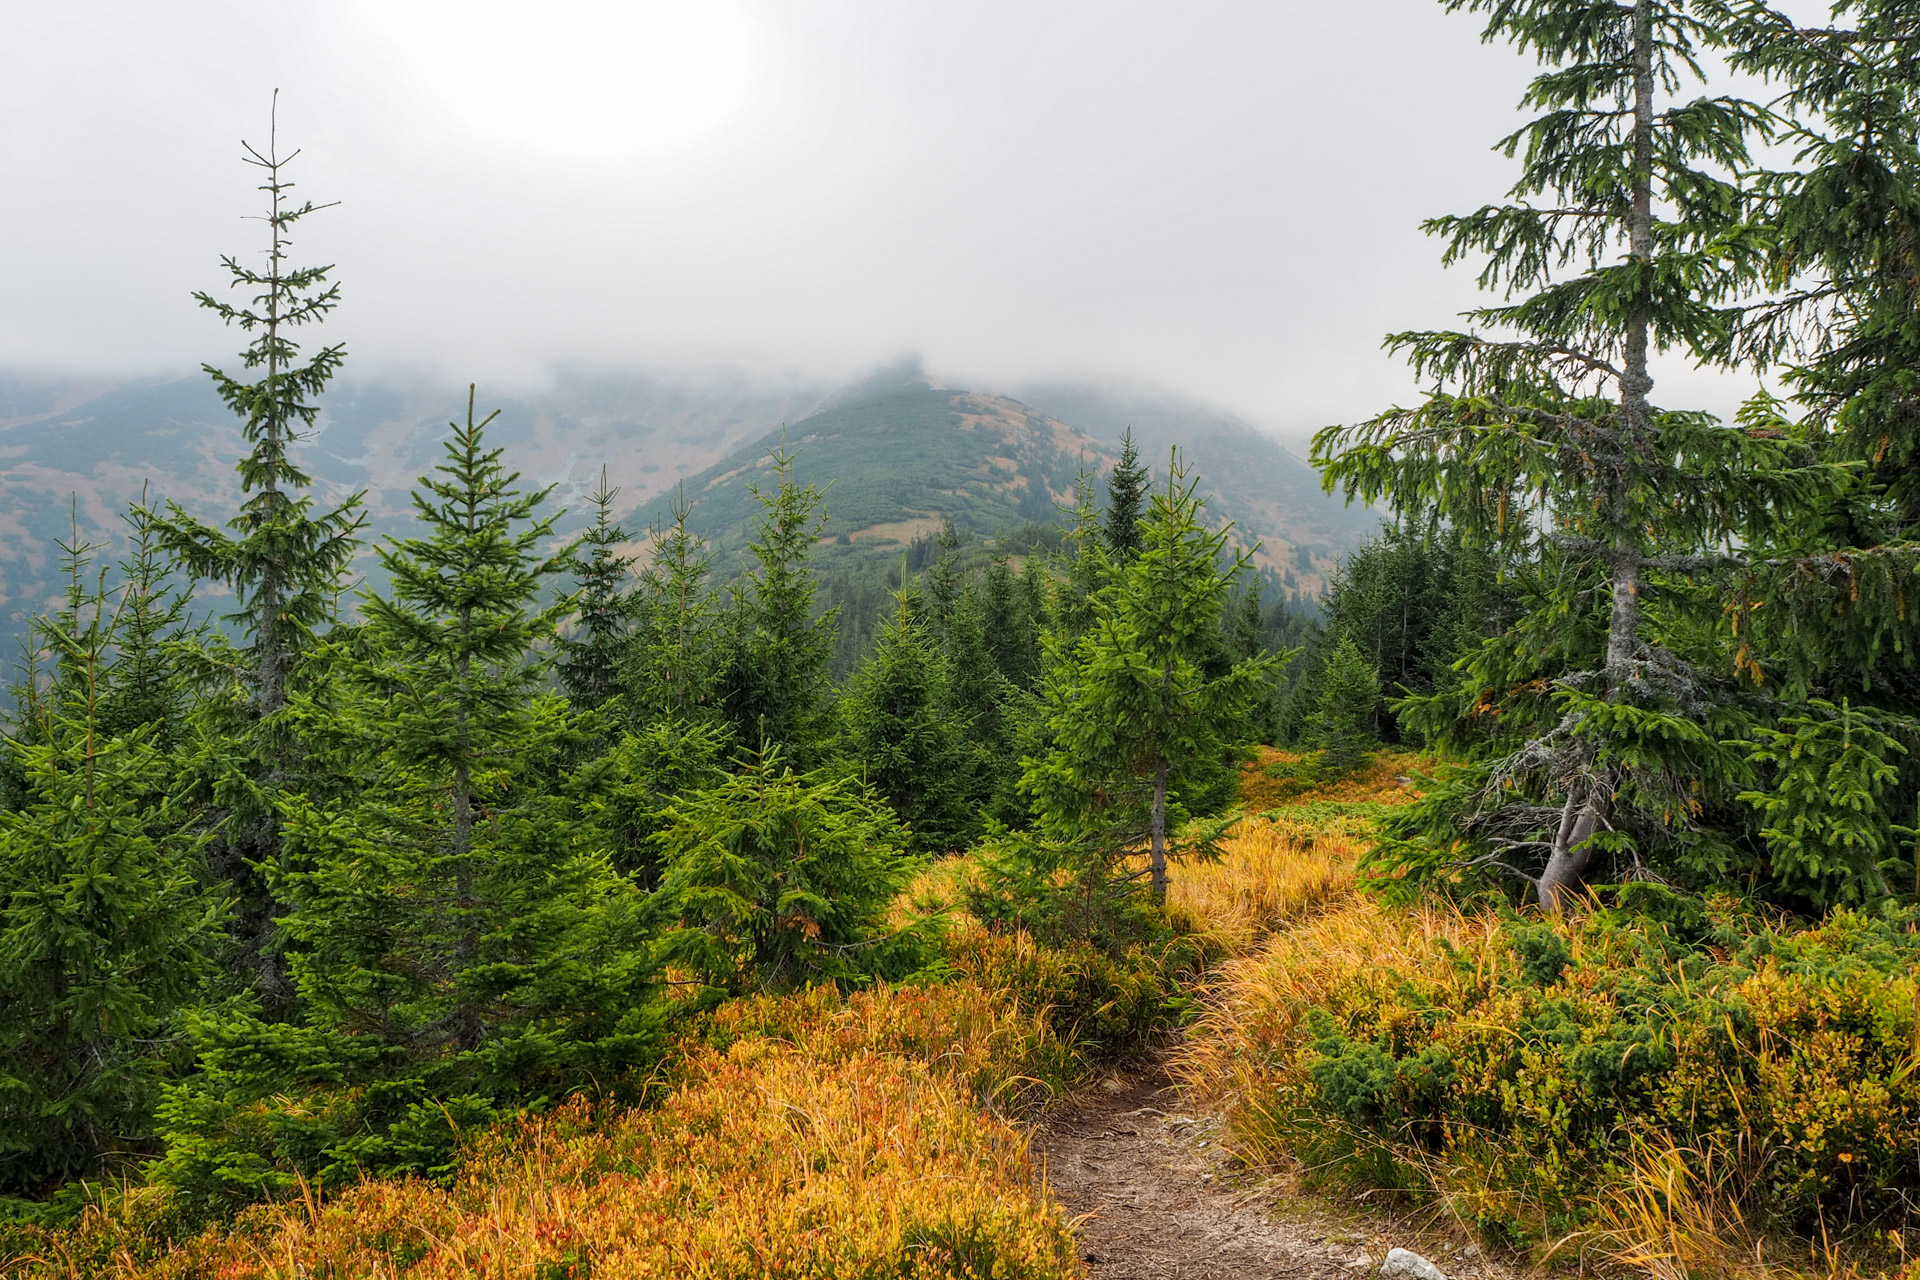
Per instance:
x=675, y=659
x=1085, y=567
x=283, y=558
x=1622, y=236
x=776, y=688
x=1132, y=723
x=782, y=878
x=911, y=737
x=942, y=580
x=1012, y=633
x=148, y=686
x=105, y=927
x=462, y=939
x=593, y=654
x=1349, y=697
x=1127, y=486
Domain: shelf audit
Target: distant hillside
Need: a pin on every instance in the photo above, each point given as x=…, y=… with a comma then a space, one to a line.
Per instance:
x=67, y=444
x=894, y=453
x=895, y=465
x=1267, y=492
x=898, y=460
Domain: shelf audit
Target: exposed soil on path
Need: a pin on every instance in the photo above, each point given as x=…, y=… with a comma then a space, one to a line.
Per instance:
x=1156, y=1198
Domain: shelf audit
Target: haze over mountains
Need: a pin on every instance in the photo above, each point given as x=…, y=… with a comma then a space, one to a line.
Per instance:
x=897, y=453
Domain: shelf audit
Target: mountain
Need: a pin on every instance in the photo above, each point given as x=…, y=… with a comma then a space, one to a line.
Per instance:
x=1267, y=492
x=898, y=460
x=895, y=454
x=895, y=464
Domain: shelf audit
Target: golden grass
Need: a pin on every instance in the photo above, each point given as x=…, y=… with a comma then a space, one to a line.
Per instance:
x=819, y=1139
x=1290, y=858
x=1246, y=1049
x=822, y=1135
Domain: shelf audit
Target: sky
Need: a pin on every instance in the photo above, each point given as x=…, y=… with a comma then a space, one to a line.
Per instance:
x=1220, y=197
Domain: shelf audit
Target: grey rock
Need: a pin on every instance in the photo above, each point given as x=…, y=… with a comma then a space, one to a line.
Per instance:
x=1404, y=1264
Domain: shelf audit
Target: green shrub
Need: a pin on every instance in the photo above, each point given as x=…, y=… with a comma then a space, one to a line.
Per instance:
x=1513, y=1066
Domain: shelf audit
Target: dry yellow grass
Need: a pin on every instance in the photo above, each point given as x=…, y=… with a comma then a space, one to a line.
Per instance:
x=1294, y=855
x=822, y=1140
x=1306, y=942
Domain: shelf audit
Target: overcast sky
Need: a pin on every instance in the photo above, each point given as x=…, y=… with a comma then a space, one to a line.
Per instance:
x=1222, y=198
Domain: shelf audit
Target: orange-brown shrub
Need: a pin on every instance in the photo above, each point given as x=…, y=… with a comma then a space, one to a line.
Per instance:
x=766, y=1161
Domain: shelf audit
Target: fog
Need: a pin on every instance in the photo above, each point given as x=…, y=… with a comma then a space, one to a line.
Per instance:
x=1221, y=198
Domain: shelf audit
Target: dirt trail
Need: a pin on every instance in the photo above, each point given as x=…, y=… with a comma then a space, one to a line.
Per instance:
x=1157, y=1200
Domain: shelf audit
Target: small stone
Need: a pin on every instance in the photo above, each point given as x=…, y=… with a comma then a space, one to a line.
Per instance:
x=1360, y=1262
x=1404, y=1264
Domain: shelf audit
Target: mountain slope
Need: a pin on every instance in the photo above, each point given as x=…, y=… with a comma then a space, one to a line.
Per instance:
x=894, y=453
x=895, y=465
x=1269, y=494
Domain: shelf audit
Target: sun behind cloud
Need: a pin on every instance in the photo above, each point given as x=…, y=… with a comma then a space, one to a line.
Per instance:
x=575, y=79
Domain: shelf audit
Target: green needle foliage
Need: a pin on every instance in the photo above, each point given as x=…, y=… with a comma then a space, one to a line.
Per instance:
x=1828, y=824
x=677, y=657
x=591, y=657
x=910, y=737
x=284, y=560
x=462, y=939
x=1626, y=233
x=1132, y=721
x=105, y=929
x=1127, y=486
x=775, y=688
x=1829, y=604
x=1349, y=697
x=784, y=878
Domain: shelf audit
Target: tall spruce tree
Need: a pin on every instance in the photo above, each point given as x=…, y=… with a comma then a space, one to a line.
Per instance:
x=1132, y=722
x=1623, y=235
x=283, y=558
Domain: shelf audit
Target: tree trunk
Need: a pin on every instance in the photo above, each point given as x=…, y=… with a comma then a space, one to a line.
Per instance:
x=1572, y=851
x=1157, y=835
x=1566, y=867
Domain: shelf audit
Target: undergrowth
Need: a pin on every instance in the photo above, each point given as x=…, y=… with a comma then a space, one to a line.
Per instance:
x=1681, y=1089
x=1675, y=1086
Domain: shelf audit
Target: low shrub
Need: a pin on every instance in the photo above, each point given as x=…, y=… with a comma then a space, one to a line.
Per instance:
x=1535, y=1077
x=765, y=1162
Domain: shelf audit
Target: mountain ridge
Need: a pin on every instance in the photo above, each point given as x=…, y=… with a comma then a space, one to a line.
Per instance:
x=76, y=451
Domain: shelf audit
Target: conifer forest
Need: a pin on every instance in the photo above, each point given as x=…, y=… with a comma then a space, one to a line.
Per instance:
x=461, y=895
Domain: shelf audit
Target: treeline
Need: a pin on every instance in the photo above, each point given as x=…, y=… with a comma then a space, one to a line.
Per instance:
x=308, y=891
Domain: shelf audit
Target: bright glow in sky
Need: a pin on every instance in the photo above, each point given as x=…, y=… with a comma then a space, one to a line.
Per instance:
x=1222, y=198
x=582, y=79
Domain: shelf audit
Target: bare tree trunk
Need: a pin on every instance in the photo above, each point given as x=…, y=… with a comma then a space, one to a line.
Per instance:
x=1566, y=867
x=1572, y=851
x=1157, y=835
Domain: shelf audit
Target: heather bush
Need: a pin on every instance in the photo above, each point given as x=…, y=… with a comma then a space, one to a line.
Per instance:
x=1520, y=1070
